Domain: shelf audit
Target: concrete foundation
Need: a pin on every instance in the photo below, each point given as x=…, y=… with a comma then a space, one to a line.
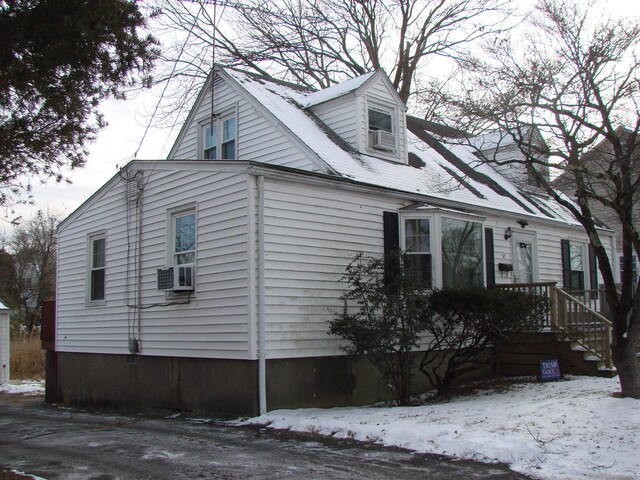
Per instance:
x=219, y=387
x=213, y=386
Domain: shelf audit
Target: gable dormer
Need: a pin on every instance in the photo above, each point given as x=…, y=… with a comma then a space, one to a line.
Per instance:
x=367, y=113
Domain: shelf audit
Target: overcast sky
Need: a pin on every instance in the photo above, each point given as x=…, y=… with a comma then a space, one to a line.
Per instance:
x=114, y=146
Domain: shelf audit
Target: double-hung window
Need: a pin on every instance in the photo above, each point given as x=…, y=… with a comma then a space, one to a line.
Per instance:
x=220, y=139
x=184, y=237
x=380, y=119
x=577, y=264
x=417, y=238
x=97, y=269
x=210, y=142
x=229, y=138
x=381, y=127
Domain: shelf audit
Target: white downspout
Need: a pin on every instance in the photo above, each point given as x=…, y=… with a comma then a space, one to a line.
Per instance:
x=262, y=350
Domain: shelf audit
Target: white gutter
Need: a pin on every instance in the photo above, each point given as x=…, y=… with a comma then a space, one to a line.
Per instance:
x=262, y=350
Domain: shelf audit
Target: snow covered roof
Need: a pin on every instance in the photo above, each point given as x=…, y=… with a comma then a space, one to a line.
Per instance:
x=3, y=306
x=338, y=90
x=440, y=167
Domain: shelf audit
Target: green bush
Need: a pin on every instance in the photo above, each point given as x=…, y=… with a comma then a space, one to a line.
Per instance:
x=472, y=326
x=382, y=319
x=387, y=317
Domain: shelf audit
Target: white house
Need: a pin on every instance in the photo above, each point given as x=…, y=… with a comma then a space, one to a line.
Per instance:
x=205, y=281
x=5, y=357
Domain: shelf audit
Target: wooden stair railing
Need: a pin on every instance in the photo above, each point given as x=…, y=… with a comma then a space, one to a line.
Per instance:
x=584, y=325
x=578, y=320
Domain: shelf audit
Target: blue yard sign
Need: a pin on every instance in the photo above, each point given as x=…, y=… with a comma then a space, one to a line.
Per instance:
x=549, y=369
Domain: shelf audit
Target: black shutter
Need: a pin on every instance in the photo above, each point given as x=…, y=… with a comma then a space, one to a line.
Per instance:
x=489, y=257
x=566, y=264
x=391, y=246
x=593, y=268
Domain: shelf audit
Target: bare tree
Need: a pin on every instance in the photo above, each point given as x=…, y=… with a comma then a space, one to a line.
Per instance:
x=317, y=43
x=575, y=77
x=33, y=249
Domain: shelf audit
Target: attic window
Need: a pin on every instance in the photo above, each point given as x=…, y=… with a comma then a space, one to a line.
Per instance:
x=381, y=128
x=210, y=142
x=219, y=139
x=380, y=119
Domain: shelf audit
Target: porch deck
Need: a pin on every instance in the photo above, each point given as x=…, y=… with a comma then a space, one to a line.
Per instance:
x=576, y=330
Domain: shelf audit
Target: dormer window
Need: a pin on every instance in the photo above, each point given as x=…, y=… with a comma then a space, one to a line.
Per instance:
x=220, y=147
x=381, y=128
x=380, y=119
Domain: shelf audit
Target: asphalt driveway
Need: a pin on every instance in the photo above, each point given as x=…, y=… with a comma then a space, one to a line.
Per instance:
x=59, y=443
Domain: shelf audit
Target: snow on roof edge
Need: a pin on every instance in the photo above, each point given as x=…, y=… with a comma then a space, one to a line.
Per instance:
x=338, y=90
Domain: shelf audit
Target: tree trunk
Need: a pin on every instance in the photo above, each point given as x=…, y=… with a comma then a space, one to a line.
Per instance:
x=627, y=363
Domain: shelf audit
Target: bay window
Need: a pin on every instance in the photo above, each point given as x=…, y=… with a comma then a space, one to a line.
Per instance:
x=417, y=237
x=458, y=241
x=462, y=256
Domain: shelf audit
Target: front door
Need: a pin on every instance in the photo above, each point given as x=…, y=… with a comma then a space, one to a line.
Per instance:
x=524, y=257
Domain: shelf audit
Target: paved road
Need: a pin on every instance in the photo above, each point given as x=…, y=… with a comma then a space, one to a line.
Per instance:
x=59, y=443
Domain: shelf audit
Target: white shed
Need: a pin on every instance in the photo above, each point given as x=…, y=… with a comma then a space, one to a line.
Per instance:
x=4, y=344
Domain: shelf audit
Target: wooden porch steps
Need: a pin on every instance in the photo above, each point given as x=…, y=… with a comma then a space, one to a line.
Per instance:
x=523, y=356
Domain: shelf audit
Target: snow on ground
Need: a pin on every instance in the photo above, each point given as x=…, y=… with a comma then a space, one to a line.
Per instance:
x=569, y=429
x=26, y=387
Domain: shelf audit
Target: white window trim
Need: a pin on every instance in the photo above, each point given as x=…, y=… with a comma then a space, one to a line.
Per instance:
x=435, y=230
x=203, y=139
x=219, y=119
x=172, y=213
x=393, y=111
x=432, y=233
x=91, y=237
x=586, y=266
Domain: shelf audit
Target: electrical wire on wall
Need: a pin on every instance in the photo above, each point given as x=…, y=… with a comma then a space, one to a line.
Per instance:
x=133, y=201
x=135, y=184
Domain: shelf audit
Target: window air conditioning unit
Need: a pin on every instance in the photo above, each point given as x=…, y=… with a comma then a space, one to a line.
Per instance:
x=179, y=278
x=382, y=140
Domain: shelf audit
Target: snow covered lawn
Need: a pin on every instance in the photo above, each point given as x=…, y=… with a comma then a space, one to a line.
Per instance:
x=26, y=387
x=568, y=429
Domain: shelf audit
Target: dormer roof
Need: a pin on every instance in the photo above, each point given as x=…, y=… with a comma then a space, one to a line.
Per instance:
x=336, y=91
x=356, y=86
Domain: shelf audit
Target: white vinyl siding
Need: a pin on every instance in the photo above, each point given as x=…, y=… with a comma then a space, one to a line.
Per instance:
x=378, y=95
x=549, y=252
x=341, y=116
x=96, y=269
x=215, y=323
x=311, y=235
x=312, y=230
x=257, y=137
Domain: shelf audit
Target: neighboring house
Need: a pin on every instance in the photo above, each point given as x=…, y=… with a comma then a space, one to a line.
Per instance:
x=207, y=285
x=501, y=150
x=597, y=161
x=5, y=357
